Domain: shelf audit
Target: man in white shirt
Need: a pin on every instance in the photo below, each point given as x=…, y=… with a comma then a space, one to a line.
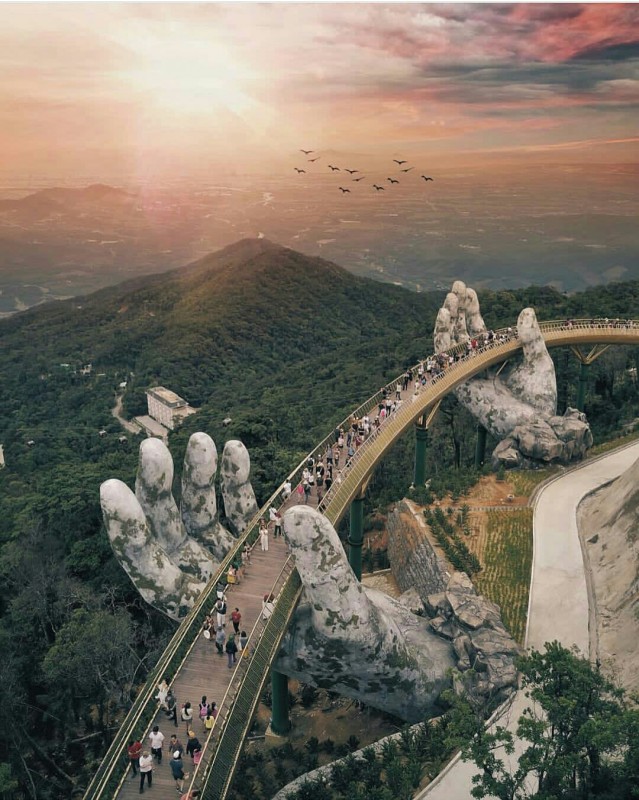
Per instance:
x=156, y=738
x=146, y=769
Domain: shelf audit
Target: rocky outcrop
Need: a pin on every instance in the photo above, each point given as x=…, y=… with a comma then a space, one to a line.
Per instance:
x=414, y=561
x=457, y=614
x=519, y=405
x=556, y=440
x=479, y=639
x=609, y=527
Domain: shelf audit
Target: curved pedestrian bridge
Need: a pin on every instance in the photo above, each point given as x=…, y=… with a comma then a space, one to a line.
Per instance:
x=190, y=662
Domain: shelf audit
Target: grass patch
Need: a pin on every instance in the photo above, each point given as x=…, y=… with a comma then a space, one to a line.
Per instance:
x=525, y=482
x=507, y=560
x=605, y=447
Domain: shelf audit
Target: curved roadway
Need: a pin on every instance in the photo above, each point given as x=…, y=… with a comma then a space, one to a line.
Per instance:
x=558, y=606
x=578, y=332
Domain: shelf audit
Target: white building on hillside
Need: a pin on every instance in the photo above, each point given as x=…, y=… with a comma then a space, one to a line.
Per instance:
x=166, y=407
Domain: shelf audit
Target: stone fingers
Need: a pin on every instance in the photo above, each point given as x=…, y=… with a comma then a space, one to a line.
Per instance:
x=534, y=380
x=153, y=489
x=340, y=605
x=460, y=330
x=474, y=320
x=159, y=580
x=442, y=336
x=458, y=315
x=198, y=503
x=239, y=498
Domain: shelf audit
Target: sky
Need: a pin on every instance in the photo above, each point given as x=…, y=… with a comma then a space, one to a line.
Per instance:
x=93, y=88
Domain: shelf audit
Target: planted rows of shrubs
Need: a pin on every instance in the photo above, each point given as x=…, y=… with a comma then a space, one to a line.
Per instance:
x=393, y=772
x=447, y=531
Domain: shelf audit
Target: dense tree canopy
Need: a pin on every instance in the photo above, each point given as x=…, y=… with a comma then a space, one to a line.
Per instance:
x=284, y=345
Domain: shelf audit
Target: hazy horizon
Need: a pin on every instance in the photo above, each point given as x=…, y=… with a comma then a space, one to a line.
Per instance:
x=524, y=116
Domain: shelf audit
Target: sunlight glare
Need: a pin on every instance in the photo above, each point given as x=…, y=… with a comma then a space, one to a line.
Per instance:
x=195, y=78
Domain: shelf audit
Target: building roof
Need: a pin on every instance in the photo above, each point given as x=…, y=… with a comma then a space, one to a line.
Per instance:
x=166, y=396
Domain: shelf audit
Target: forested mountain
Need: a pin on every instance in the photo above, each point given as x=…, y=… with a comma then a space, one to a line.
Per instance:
x=283, y=344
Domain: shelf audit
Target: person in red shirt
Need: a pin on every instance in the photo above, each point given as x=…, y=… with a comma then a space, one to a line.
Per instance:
x=236, y=618
x=134, y=751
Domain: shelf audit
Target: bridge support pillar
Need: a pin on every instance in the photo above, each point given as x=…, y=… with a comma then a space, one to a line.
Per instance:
x=356, y=535
x=280, y=720
x=582, y=388
x=480, y=446
x=421, y=447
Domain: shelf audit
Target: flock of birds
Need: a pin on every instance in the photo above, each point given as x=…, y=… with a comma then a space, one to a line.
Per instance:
x=351, y=172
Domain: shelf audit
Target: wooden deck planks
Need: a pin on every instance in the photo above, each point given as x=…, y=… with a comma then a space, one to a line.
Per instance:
x=205, y=672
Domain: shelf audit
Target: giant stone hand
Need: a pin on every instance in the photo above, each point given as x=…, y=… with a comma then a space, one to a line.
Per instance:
x=520, y=405
x=171, y=553
x=353, y=640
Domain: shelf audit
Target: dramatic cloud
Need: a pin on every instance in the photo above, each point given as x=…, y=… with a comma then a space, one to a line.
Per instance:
x=153, y=81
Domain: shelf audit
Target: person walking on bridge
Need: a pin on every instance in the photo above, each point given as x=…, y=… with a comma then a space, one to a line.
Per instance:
x=177, y=770
x=220, y=639
x=231, y=650
x=220, y=609
x=134, y=751
x=264, y=536
x=146, y=769
x=236, y=618
x=156, y=739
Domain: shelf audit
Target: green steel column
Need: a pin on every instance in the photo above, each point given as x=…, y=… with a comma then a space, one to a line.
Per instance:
x=421, y=441
x=280, y=721
x=583, y=385
x=480, y=446
x=356, y=536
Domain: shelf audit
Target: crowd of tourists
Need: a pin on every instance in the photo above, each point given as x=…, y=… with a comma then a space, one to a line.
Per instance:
x=323, y=471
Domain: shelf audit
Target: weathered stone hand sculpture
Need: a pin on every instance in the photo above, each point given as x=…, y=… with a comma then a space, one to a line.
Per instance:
x=170, y=553
x=344, y=637
x=353, y=640
x=520, y=405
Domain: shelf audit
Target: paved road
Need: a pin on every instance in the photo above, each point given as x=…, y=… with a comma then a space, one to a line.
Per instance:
x=559, y=598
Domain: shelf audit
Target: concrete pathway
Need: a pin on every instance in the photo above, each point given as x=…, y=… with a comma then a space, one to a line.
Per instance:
x=558, y=605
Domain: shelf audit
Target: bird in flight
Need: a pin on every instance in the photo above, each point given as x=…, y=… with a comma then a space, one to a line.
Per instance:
x=299, y=170
x=392, y=180
x=355, y=180
x=307, y=152
x=344, y=190
x=399, y=162
x=426, y=178
x=351, y=171
x=407, y=170
x=312, y=160
x=335, y=169
x=379, y=188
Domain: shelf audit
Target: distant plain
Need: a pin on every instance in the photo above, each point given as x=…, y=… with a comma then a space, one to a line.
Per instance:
x=569, y=226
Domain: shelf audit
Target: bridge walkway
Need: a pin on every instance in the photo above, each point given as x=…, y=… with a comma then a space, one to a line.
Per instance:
x=223, y=746
x=205, y=672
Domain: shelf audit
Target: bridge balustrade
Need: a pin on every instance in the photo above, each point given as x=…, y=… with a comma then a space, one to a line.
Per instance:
x=223, y=745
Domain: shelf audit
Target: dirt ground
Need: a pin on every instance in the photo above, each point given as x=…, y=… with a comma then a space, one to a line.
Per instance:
x=487, y=494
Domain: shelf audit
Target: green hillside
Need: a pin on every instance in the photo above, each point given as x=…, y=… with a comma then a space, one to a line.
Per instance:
x=285, y=345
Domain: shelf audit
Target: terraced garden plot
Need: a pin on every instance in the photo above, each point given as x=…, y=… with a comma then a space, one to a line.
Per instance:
x=506, y=560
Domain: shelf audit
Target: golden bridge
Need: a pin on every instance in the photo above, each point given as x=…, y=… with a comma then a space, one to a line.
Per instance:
x=191, y=663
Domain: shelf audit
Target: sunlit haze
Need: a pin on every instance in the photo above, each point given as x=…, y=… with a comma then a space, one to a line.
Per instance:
x=143, y=90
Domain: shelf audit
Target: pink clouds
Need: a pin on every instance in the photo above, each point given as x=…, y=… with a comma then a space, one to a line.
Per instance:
x=134, y=79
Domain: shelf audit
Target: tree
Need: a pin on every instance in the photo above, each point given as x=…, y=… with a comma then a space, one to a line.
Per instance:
x=92, y=659
x=577, y=736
